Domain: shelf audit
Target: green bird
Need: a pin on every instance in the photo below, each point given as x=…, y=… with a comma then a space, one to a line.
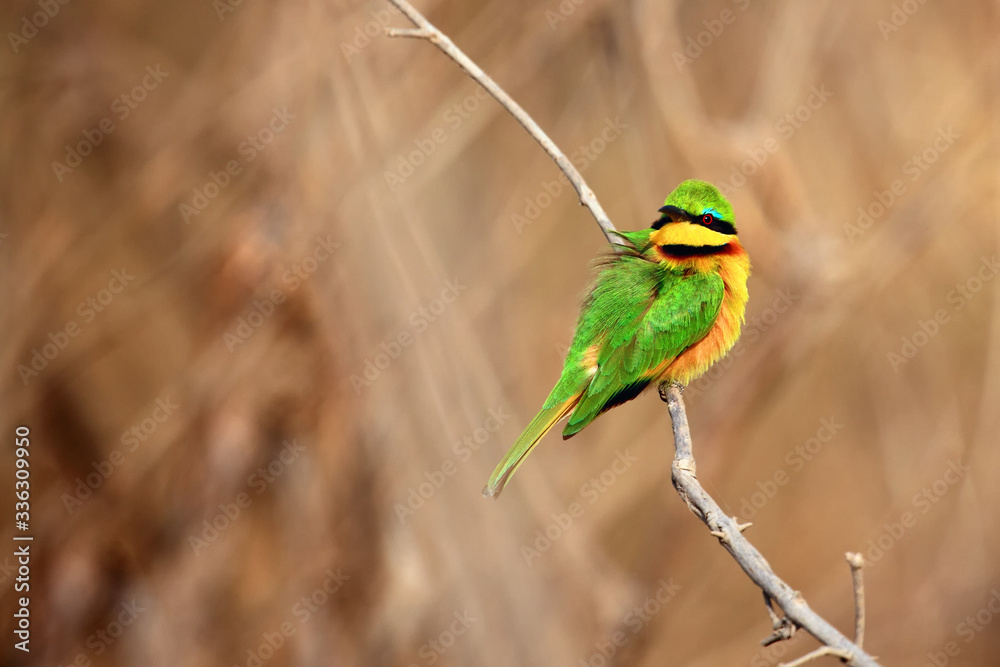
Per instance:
x=664, y=308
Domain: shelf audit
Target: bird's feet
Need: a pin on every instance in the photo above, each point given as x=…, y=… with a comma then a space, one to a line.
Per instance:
x=665, y=386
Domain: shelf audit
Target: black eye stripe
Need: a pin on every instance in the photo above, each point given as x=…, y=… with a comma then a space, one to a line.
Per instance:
x=721, y=226
x=674, y=214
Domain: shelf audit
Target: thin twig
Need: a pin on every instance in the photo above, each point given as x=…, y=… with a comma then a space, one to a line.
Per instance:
x=783, y=628
x=818, y=653
x=727, y=529
x=425, y=30
x=748, y=557
x=775, y=620
x=417, y=33
x=857, y=562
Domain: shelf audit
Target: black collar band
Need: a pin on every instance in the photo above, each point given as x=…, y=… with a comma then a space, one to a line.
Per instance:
x=680, y=250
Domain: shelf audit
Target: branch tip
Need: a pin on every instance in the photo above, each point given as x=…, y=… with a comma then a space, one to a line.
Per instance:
x=857, y=563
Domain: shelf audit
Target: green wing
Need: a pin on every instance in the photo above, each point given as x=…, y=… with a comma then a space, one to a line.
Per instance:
x=640, y=316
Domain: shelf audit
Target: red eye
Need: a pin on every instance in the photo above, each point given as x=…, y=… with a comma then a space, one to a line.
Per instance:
x=707, y=219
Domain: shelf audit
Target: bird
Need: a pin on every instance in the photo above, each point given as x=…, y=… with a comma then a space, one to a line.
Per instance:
x=664, y=307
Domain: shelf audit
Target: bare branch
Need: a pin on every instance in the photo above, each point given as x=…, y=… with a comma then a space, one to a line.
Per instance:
x=751, y=560
x=727, y=529
x=857, y=562
x=426, y=30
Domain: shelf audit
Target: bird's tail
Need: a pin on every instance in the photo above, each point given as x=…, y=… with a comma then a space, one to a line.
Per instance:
x=538, y=427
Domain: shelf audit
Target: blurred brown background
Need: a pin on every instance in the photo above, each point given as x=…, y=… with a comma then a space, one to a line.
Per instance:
x=280, y=291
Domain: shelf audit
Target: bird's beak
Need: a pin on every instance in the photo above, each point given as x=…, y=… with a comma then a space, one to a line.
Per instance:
x=676, y=213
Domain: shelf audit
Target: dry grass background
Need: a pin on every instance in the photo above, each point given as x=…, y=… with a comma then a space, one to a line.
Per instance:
x=497, y=346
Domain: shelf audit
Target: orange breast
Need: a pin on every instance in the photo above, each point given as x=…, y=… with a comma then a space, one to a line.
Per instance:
x=734, y=269
x=698, y=358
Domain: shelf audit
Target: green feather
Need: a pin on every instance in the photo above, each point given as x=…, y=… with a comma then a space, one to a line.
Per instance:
x=640, y=315
x=677, y=311
x=538, y=427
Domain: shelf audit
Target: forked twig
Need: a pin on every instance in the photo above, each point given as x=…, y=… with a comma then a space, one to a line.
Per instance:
x=727, y=529
x=783, y=628
x=749, y=558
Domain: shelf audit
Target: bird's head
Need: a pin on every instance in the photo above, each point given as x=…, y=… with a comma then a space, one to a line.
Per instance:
x=696, y=220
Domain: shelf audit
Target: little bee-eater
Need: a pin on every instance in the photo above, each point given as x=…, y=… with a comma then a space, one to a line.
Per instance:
x=664, y=308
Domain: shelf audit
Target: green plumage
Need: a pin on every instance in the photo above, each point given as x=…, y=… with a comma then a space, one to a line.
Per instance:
x=642, y=312
x=638, y=315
